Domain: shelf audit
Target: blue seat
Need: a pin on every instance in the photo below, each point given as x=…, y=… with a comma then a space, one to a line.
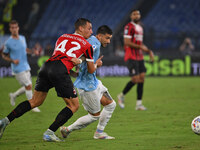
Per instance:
x=59, y=16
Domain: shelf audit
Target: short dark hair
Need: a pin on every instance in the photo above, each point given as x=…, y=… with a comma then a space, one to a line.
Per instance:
x=81, y=22
x=104, y=29
x=13, y=22
x=134, y=10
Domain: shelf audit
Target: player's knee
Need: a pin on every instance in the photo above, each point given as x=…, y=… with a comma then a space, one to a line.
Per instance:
x=74, y=107
x=77, y=106
x=34, y=103
x=94, y=118
x=135, y=79
x=111, y=106
x=29, y=87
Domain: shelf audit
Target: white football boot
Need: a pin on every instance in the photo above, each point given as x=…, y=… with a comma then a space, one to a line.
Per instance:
x=120, y=98
x=36, y=109
x=140, y=107
x=64, y=131
x=49, y=136
x=103, y=135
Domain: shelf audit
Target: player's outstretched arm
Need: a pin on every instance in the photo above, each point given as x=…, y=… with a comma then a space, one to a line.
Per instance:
x=92, y=67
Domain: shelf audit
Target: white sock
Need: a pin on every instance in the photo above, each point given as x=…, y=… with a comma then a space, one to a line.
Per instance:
x=50, y=130
x=82, y=122
x=106, y=115
x=8, y=121
x=29, y=94
x=139, y=102
x=19, y=91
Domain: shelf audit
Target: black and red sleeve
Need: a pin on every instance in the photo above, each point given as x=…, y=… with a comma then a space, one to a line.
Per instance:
x=89, y=54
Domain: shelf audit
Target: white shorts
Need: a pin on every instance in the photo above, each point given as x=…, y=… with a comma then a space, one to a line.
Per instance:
x=91, y=99
x=24, y=78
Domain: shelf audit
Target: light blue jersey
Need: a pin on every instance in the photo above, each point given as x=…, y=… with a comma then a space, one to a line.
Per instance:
x=87, y=81
x=17, y=50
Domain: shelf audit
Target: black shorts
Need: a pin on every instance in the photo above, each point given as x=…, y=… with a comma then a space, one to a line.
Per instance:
x=136, y=67
x=54, y=74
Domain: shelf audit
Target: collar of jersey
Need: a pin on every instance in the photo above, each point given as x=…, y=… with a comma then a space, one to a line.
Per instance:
x=133, y=23
x=77, y=34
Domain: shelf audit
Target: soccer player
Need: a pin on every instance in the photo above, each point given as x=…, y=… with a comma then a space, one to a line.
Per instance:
x=92, y=92
x=134, y=47
x=55, y=73
x=15, y=51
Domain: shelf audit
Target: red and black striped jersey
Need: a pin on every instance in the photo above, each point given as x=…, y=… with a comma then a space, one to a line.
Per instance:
x=135, y=33
x=69, y=46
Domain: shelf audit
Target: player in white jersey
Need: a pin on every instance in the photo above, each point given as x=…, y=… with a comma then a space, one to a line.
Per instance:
x=15, y=52
x=92, y=92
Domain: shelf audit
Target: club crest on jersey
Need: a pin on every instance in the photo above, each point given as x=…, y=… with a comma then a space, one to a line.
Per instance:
x=94, y=47
x=74, y=91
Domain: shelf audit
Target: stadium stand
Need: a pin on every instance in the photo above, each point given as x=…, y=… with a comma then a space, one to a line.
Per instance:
x=166, y=23
x=171, y=21
x=60, y=19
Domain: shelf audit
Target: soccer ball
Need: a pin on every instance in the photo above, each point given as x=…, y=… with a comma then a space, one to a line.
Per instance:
x=195, y=125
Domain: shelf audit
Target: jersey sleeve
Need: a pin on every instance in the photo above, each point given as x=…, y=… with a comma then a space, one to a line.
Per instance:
x=128, y=32
x=89, y=54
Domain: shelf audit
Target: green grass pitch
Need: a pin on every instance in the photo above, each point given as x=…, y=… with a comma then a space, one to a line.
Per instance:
x=172, y=103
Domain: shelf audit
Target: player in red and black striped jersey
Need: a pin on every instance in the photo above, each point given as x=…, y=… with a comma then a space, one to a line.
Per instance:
x=55, y=73
x=134, y=47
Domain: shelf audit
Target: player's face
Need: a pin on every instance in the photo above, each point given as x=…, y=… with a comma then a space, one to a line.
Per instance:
x=87, y=30
x=14, y=29
x=105, y=39
x=135, y=16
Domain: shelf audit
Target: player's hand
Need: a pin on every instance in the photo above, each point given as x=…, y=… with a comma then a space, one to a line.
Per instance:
x=16, y=61
x=82, y=58
x=76, y=61
x=144, y=48
x=151, y=55
x=99, y=61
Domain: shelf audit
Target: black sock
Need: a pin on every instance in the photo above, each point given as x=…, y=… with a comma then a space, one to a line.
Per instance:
x=61, y=119
x=19, y=110
x=140, y=91
x=128, y=86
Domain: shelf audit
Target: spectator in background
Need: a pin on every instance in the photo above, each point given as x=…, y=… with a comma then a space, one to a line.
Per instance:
x=187, y=47
x=38, y=50
x=48, y=50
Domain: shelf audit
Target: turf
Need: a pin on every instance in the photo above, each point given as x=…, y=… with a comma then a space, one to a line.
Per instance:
x=172, y=103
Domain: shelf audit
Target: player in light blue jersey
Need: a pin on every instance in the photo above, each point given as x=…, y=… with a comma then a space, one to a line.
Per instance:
x=15, y=52
x=92, y=92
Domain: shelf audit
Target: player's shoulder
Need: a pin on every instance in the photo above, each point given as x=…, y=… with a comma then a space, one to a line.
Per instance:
x=8, y=41
x=130, y=25
x=75, y=37
x=21, y=36
x=93, y=40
